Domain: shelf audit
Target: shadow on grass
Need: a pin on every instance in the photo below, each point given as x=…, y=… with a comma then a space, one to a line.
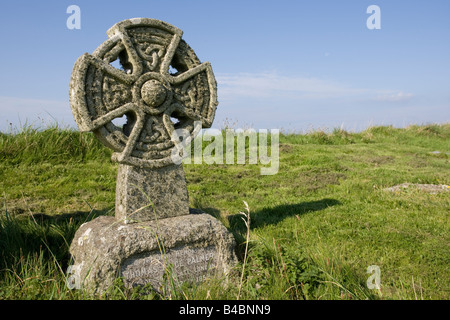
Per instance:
x=32, y=234
x=276, y=214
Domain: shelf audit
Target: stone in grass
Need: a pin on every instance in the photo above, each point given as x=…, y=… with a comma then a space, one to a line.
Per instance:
x=428, y=188
x=439, y=152
x=193, y=247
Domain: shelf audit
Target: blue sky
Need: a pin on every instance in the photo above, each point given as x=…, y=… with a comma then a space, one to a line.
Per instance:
x=291, y=65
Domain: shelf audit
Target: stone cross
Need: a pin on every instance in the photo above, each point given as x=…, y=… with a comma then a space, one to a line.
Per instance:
x=162, y=86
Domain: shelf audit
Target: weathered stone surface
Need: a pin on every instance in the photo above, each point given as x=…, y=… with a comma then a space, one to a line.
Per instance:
x=155, y=101
x=151, y=189
x=428, y=188
x=192, y=264
x=196, y=245
x=139, y=191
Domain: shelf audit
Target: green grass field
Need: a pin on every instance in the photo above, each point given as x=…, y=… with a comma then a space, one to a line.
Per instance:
x=315, y=227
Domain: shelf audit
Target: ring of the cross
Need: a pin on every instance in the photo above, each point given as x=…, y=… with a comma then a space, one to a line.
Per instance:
x=144, y=93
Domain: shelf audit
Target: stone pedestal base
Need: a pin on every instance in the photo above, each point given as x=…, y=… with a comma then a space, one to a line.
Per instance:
x=192, y=246
x=140, y=190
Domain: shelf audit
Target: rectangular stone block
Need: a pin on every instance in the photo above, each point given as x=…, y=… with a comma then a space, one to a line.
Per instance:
x=148, y=194
x=191, y=248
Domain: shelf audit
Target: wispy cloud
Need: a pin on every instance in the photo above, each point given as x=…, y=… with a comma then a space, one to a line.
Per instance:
x=272, y=85
x=265, y=85
x=296, y=99
x=19, y=111
x=393, y=97
x=13, y=103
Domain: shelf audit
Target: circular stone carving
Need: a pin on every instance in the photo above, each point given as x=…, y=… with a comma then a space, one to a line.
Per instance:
x=154, y=101
x=153, y=93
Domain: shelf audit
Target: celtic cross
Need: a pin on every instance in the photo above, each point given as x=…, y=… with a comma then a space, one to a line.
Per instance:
x=161, y=86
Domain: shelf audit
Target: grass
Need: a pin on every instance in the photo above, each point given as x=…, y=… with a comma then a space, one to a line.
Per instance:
x=316, y=226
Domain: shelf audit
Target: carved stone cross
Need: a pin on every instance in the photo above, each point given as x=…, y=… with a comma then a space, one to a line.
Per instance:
x=161, y=86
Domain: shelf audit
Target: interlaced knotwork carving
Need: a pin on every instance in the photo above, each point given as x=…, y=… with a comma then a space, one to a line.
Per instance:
x=143, y=90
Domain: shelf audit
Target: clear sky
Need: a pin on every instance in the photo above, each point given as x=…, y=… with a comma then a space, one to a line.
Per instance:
x=286, y=64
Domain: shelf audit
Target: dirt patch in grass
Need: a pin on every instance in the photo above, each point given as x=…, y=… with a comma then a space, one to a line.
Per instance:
x=313, y=180
x=379, y=160
x=25, y=205
x=418, y=161
x=285, y=148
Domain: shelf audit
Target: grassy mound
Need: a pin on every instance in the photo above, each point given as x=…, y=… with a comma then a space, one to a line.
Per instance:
x=315, y=226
